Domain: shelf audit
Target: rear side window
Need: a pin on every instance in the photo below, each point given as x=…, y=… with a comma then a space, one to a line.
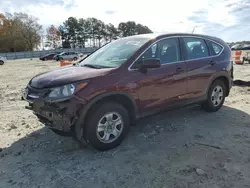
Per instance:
x=215, y=48
x=195, y=48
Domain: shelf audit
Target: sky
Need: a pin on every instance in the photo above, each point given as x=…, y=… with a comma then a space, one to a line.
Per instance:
x=227, y=19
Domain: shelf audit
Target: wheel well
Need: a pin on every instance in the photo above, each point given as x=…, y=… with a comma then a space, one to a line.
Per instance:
x=118, y=98
x=225, y=81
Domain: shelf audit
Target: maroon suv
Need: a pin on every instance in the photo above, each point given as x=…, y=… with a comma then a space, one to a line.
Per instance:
x=99, y=98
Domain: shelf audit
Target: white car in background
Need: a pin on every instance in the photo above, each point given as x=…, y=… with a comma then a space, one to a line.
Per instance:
x=68, y=56
x=2, y=60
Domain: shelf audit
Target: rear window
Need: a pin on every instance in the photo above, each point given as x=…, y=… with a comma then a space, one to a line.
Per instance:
x=195, y=48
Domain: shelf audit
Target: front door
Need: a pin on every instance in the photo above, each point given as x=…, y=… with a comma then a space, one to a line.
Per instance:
x=159, y=87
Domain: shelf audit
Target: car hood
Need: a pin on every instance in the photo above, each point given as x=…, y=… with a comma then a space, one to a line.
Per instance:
x=66, y=75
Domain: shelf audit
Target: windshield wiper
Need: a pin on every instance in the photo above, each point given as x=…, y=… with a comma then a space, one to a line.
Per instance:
x=92, y=66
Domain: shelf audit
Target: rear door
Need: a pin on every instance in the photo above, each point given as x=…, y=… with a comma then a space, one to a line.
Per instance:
x=200, y=65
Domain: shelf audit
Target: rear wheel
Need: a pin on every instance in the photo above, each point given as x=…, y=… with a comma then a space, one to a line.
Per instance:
x=75, y=58
x=107, y=126
x=216, y=96
x=1, y=62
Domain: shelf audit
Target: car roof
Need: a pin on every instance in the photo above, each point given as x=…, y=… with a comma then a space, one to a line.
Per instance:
x=162, y=35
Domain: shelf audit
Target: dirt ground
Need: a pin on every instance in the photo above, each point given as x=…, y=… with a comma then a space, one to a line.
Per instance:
x=184, y=148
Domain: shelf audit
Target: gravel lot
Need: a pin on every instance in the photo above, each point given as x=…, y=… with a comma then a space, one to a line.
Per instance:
x=184, y=148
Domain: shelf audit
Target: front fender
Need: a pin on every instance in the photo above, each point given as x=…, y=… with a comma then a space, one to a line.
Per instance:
x=80, y=122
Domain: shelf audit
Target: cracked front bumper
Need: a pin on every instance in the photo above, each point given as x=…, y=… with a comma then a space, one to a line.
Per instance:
x=57, y=115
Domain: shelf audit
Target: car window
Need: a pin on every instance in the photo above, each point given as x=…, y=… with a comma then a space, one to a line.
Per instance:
x=195, y=48
x=216, y=48
x=166, y=50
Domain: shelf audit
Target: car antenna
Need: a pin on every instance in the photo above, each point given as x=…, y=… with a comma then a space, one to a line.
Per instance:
x=193, y=30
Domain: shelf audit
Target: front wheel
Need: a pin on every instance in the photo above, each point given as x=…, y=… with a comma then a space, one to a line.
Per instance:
x=107, y=126
x=1, y=62
x=216, y=96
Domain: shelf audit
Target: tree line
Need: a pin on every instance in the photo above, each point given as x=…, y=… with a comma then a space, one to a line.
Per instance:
x=22, y=32
x=76, y=32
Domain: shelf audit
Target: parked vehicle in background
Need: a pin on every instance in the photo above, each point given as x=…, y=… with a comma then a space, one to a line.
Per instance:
x=241, y=47
x=80, y=55
x=235, y=47
x=130, y=78
x=49, y=56
x=2, y=60
x=56, y=57
x=68, y=56
x=246, y=58
x=246, y=47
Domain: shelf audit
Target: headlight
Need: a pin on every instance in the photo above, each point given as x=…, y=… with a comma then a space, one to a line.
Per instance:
x=63, y=91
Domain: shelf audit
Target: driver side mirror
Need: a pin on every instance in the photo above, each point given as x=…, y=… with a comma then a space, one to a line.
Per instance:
x=149, y=64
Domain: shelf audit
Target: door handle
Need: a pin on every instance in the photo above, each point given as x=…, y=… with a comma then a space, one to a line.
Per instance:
x=179, y=70
x=212, y=62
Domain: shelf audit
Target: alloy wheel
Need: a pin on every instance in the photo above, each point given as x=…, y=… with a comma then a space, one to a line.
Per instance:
x=217, y=95
x=109, y=127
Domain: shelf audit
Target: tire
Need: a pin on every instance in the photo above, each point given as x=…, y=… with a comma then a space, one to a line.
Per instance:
x=107, y=113
x=75, y=58
x=1, y=62
x=61, y=133
x=216, y=96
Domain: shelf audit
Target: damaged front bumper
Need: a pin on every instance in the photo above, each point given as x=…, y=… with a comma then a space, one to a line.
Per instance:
x=60, y=115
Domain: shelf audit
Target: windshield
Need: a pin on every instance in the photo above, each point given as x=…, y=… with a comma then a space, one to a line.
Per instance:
x=115, y=53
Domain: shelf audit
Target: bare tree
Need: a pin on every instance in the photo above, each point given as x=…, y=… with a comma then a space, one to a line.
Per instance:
x=29, y=28
x=53, y=35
